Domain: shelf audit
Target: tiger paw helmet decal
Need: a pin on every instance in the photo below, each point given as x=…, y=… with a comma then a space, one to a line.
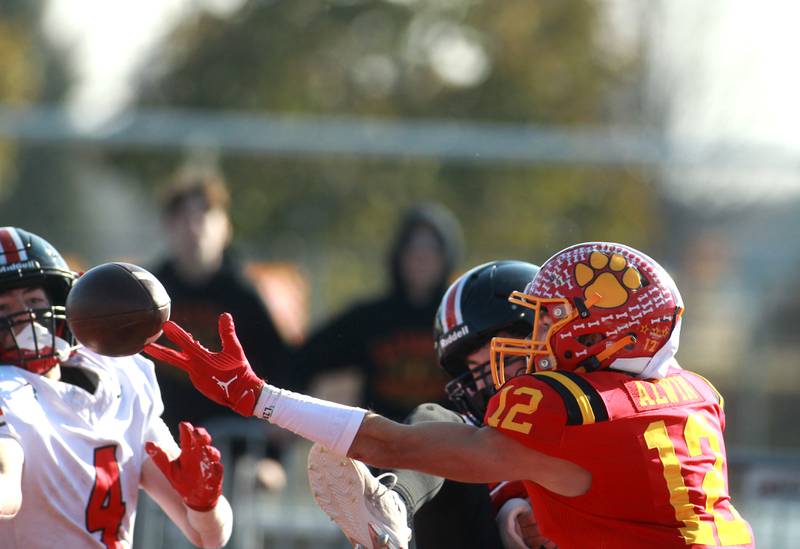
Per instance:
x=602, y=276
x=599, y=305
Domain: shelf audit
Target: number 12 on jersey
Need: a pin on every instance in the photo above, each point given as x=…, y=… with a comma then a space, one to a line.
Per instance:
x=510, y=422
x=731, y=531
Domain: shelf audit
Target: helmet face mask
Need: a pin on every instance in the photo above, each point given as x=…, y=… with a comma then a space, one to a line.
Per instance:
x=469, y=399
x=473, y=310
x=38, y=337
x=536, y=348
x=472, y=390
x=33, y=339
x=597, y=305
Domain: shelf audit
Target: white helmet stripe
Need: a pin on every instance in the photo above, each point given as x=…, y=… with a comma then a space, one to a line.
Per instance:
x=13, y=250
x=450, y=315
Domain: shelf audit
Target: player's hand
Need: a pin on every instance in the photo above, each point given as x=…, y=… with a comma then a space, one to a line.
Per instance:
x=506, y=490
x=518, y=527
x=225, y=377
x=196, y=474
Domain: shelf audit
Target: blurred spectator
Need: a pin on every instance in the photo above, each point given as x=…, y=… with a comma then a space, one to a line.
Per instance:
x=388, y=339
x=204, y=278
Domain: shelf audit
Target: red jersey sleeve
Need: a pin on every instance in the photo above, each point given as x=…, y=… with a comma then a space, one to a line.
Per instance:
x=529, y=410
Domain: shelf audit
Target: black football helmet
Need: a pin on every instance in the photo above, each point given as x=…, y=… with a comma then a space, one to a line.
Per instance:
x=473, y=310
x=28, y=260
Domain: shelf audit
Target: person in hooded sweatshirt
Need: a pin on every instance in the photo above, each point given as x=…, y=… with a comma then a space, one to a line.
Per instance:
x=388, y=339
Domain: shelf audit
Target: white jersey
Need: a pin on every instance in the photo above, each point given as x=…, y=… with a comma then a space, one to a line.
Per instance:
x=83, y=452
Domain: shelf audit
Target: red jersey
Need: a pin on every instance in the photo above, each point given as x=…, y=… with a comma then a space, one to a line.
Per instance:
x=654, y=449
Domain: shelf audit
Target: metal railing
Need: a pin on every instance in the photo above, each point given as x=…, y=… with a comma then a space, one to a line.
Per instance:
x=766, y=491
x=288, y=519
x=470, y=142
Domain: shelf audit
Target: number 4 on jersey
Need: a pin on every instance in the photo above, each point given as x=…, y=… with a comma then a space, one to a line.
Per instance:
x=106, y=509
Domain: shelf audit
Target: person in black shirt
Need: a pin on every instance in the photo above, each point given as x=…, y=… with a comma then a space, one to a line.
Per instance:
x=204, y=278
x=441, y=512
x=388, y=339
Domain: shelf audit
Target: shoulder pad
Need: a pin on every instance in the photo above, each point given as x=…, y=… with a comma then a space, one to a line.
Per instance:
x=717, y=395
x=10, y=381
x=582, y=401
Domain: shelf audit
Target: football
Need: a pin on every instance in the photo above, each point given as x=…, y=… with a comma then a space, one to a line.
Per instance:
x=115, y=309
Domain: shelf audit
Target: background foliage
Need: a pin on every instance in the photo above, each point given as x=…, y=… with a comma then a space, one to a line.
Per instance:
x=379, y=59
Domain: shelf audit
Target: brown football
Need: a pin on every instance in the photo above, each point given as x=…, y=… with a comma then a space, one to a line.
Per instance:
x=115, y=309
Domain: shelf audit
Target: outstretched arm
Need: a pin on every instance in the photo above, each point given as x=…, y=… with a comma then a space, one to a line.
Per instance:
x=458, y=452
x=11, y=460
x=462, y=452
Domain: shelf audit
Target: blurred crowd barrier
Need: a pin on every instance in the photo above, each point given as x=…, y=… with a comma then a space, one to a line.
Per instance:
x=282, y=519
x=766, y=491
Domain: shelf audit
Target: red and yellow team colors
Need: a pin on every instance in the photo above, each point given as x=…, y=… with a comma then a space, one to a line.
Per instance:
x=654, y=448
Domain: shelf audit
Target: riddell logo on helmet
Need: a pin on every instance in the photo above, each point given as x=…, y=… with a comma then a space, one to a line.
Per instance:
x=454, y=335
x=30, y=264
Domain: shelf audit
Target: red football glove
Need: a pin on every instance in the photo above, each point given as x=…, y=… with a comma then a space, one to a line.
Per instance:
x=225, y=377
x=504, y=491
x=196, y=474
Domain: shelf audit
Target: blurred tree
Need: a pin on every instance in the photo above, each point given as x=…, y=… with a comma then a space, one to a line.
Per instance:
x=517, y=62
x=32, y=72
x=19, y=77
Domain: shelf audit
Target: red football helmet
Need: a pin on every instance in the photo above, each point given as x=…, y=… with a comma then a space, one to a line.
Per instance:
x=597, y=305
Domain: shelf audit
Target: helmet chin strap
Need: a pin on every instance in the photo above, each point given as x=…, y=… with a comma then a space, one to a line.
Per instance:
x=615, y=347
x=611, y=350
